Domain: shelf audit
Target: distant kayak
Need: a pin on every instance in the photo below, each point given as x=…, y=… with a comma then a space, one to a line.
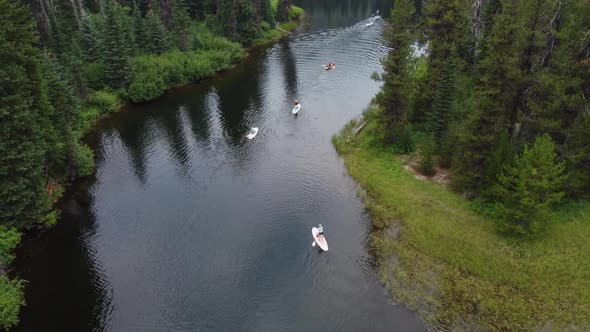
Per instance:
x=253, y=132
x=321, y=240
x=296, y=109
x=329, y=67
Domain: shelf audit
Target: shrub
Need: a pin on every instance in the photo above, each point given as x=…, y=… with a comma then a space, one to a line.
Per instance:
x=295, y=13
x=85, y=157
x=95, y=75
x=11, y=298
x=9, y=239
x=427, y=149
x=405, y=141
x=104, y=101
x=153, y=75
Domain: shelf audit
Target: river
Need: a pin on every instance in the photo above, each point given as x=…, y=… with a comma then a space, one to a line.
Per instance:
x=188, y=226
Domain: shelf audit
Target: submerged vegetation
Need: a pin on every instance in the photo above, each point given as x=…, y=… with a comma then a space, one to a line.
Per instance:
x=499, y=102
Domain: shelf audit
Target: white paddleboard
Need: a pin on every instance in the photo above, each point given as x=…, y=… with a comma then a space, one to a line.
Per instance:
x=253, y=132
x=296, y=109
x=321, y=241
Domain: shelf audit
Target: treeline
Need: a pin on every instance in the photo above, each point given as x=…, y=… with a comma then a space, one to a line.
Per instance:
x=67, y=62
x=500, y=98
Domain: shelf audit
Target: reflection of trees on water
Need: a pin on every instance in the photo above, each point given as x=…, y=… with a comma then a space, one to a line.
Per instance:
x=238, y=96
x=76, y=285
x=172, y=124
x=289, y=69
x=133, y=139
x=327, y=13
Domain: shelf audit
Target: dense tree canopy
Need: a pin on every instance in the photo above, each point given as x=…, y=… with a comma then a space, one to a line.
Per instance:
x=517, y=76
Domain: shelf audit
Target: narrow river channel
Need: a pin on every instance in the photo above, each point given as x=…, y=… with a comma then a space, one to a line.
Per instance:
x=188, y=226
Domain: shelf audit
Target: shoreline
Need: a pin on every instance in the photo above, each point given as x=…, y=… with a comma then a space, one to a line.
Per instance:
x=446, y=261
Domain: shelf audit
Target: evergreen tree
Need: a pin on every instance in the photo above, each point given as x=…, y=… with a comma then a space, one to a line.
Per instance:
x=155, y=33
x=181, y=25
x=439, y=117
x=62, y=155
x=138, y=26
x=393, y=97
x=116, y=51
x=557, y=102
x=23, y=200
x=89, y=41
x=267, y=12
x=238, y=18
x=531, y=186
x=447, y=31
x=495, y=92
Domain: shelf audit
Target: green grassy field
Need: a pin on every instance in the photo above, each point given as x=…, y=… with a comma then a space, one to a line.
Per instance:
x=441, y=258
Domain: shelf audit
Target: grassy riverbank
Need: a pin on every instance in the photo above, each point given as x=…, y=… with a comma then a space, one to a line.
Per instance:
x=443, y=259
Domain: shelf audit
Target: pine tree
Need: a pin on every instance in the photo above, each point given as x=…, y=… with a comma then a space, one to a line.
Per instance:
x=267, y=12
x=393, y=97
x=138, y=26
x=531, y=186
x=495, y=92
x=155, y=33
x=447, y=30
x=23, y=200
x=557, y=102
x=181, y=25
x=65, y=115
x=116, y=51
x=439, y=117
x=89, y=41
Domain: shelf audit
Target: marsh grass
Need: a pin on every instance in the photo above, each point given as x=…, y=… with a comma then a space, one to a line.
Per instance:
x=448, y=261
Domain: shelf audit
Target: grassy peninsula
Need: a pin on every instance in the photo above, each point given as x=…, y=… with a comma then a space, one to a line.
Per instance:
x=440, y=255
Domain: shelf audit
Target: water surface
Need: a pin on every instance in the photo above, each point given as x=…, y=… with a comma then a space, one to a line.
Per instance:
x=188, y=226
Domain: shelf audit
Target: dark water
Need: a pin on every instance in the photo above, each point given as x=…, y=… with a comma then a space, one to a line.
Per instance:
x=189, y=226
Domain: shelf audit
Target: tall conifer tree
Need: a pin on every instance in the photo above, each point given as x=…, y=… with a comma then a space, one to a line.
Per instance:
x=393, y=97
x=116, y=49
x=23, y=200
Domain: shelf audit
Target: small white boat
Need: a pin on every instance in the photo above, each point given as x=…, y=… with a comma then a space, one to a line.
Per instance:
x=296, y=109
x=320, y=240
x=252, y=133
x=370, y=23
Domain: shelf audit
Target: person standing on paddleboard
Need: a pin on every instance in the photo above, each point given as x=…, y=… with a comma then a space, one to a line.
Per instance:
x=296, y=101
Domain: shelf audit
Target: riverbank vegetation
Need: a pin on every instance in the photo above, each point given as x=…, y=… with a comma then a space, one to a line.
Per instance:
x=499, y=103
x=442, y=256
x=67, y=63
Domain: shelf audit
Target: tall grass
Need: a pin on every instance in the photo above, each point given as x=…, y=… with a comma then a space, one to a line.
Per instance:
x=449, y=263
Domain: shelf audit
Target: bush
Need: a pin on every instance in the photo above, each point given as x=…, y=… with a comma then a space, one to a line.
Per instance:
x=153, y=75
x=9, y=239
x=405, y=142
x=88, y=116
x=427, y=149
x=104, y=101
x=85, y=157
x=95, y=75
x=295, y=13
x=11, y=298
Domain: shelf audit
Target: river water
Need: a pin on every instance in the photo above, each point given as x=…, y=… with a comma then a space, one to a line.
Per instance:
x=188, y=226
